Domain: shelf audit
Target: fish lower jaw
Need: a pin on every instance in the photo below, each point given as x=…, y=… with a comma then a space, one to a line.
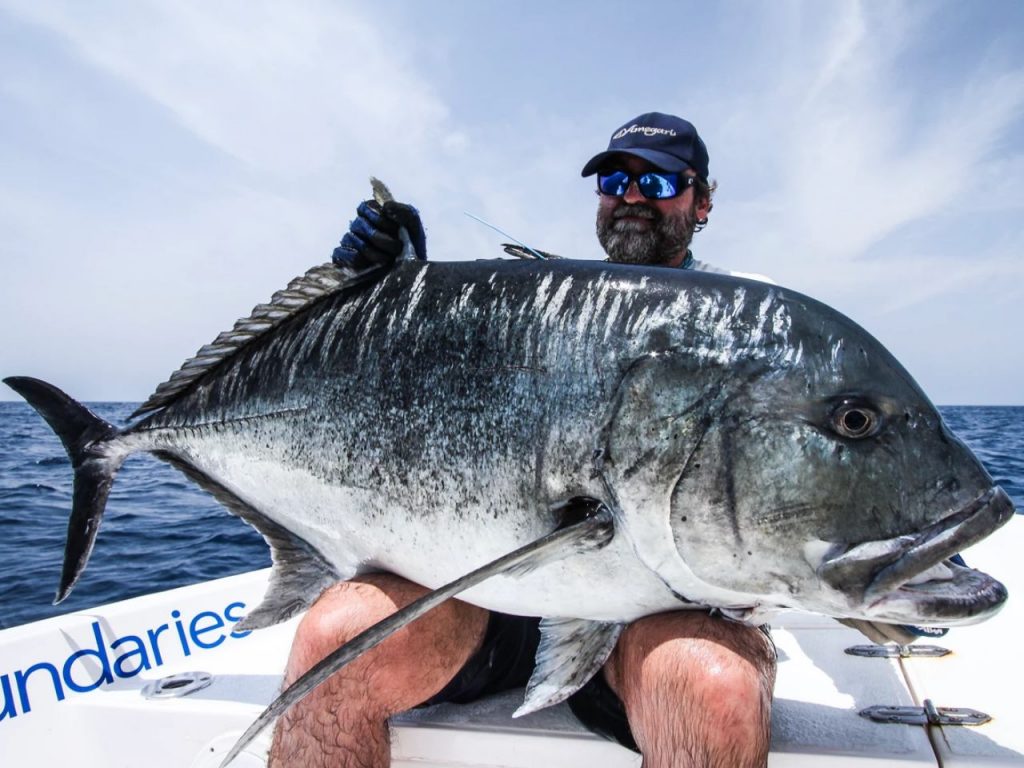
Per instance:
x=945, y=595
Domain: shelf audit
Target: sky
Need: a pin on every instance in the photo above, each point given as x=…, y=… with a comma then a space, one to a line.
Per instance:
x=167, y=164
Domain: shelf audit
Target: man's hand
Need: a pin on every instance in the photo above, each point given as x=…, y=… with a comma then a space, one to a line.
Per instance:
x=375, y=238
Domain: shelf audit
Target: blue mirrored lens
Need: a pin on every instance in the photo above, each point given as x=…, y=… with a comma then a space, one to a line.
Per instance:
x=614, y=183
x=653, y=186
x=658, y=186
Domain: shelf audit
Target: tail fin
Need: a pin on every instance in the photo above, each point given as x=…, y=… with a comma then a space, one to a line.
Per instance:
x=83, y=434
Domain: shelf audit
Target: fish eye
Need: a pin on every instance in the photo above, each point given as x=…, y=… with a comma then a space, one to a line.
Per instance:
x=854, y=420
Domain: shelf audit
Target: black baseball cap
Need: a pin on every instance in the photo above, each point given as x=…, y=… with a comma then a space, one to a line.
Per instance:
x=667, y=141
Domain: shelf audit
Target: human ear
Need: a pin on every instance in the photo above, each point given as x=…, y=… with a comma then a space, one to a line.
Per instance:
x=702, y=207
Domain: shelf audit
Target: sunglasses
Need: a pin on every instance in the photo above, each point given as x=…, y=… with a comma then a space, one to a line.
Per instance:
x=654, y=185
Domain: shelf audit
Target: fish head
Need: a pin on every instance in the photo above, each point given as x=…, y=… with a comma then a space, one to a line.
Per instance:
x=823, y=479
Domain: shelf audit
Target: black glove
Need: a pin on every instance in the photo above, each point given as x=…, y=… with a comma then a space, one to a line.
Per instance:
x=374, y=236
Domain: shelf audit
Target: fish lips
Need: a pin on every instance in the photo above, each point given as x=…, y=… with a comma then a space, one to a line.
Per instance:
x=911, y=579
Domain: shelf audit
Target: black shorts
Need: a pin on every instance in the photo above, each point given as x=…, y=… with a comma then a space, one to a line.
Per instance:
x=505, y=660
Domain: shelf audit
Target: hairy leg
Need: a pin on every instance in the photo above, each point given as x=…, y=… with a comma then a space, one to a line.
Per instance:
x=697, y=690
x=343, y=723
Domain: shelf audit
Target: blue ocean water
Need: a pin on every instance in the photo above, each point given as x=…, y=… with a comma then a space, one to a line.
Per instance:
x=160, y=531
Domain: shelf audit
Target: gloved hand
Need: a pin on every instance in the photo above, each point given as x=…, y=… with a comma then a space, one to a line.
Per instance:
x=374, y=236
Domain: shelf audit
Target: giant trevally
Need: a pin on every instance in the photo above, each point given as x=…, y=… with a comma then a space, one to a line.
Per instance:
x=673, y=440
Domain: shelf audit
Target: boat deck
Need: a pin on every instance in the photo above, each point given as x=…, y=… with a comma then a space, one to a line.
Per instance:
x=70, y=690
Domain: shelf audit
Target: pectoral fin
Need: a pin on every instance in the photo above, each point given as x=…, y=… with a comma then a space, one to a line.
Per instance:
x=571, y=652
x=593, y=532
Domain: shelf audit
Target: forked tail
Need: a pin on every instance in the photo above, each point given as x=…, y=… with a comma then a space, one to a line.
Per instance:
x=84, y=435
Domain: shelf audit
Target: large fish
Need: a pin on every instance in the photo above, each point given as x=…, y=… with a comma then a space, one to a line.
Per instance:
x=672, y=440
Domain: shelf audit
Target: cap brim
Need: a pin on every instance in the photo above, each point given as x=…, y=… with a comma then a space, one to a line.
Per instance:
x=662, y=160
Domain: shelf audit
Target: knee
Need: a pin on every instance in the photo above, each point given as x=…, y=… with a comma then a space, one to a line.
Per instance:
x=724, y=667
x=346, y=609
x=409, y=666
x=717, y=674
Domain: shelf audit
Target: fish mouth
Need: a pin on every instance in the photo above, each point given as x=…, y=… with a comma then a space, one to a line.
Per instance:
x=950, y=595
x=911, y=578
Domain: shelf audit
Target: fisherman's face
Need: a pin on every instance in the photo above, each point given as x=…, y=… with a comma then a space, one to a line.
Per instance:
x=635, y=230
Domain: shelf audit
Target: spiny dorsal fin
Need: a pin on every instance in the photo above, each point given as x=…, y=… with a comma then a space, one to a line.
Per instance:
x=319, y=282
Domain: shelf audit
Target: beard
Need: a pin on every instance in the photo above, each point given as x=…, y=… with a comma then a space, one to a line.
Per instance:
x=630, y=242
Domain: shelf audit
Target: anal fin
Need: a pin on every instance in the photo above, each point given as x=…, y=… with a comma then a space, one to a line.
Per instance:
x=571, y=652
x=300, y=573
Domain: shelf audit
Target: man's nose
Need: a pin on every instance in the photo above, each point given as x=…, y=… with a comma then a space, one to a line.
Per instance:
x=632, y=194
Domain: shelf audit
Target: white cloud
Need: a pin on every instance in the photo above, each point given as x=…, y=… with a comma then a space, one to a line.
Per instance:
x=855, y=160
x=285, y=88
x=839, y=172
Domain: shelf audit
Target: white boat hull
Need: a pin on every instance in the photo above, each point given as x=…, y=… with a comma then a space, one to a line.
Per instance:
x=70, y=691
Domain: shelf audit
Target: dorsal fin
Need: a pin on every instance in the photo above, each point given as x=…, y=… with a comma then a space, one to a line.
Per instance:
x=319, y=282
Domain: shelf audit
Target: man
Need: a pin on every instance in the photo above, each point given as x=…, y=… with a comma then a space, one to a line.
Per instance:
x=684, y=688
